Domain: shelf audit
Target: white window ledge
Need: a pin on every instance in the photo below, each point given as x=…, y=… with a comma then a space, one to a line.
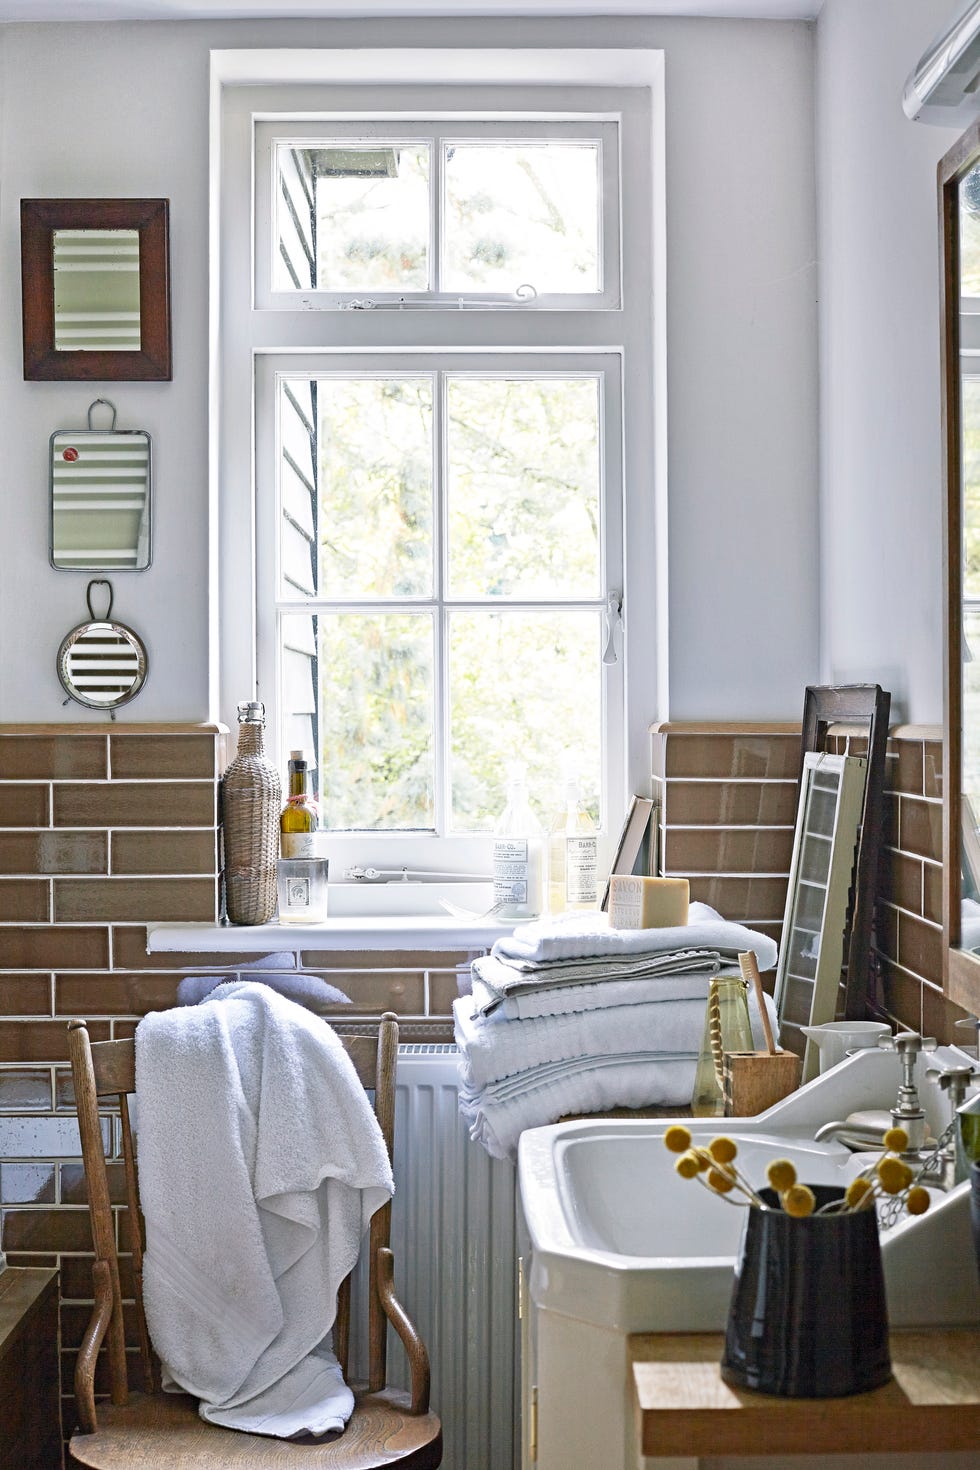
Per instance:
x=399, y=932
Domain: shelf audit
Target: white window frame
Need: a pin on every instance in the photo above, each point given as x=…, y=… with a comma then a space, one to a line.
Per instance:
x=274, y=605
x=252, y=87
x=436, y=129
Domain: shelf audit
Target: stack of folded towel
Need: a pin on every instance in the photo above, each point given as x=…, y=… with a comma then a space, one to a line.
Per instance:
x=570, y=1016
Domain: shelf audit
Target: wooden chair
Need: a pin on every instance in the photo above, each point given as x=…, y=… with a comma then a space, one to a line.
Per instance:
x=151, y=1430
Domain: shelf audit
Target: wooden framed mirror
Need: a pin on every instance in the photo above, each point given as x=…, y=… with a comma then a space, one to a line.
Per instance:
x=96, y=289
x=959, y=202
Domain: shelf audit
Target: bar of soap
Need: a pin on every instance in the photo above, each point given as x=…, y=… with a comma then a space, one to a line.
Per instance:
x=648, y=903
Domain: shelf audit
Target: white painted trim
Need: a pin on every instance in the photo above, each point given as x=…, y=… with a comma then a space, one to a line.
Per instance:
x=645, y=457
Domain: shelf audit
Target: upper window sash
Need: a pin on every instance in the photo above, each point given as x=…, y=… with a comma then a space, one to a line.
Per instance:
x=439, y=136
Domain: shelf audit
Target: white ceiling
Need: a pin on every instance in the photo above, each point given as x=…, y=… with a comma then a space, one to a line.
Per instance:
x=102, y=10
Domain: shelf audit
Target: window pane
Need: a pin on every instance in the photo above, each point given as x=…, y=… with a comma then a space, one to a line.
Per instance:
x=524, y=484
x=369, y=507
x=352, y=216
x=521, y=213
x=523, y=684
x=376, y=718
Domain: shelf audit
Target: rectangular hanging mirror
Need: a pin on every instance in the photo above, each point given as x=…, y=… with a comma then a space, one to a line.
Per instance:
x=96, y=289
x=99, y=497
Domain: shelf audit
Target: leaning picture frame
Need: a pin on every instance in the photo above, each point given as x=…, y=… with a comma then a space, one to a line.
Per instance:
x=631, y=840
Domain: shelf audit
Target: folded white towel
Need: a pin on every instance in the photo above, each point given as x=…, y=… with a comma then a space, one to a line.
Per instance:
x=579, y=936
x=490, y=1051
x=500, y=980
x=592, y=1087
x=596, y=996
x=261, y=1164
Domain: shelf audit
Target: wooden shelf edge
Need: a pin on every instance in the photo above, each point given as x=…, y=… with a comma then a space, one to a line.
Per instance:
x=684, y=1408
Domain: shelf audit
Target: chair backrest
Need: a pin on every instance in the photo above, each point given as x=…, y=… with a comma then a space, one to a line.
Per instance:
x=104, y=1074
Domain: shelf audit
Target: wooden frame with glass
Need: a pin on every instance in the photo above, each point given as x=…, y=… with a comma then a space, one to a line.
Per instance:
x=96, y=289
x=959, y=201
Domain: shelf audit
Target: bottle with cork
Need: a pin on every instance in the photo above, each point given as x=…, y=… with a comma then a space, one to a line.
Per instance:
x=299, y=820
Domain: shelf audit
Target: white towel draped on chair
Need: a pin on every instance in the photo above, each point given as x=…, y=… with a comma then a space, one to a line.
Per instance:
x=261, y=1164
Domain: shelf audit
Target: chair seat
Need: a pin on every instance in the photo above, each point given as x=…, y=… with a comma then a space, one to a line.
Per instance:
x=165, y=1432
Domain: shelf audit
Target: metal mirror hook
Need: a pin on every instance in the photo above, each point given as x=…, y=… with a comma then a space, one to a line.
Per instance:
x=98, y=582
x=107, y=404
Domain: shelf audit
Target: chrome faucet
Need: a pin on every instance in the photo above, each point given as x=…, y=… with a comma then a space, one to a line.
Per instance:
x=908, y=1112
x=954, y=1164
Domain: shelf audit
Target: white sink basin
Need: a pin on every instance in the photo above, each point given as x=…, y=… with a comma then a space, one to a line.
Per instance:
x=619, y=1240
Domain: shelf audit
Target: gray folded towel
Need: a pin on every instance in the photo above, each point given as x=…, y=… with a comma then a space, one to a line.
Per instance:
x=306, y=990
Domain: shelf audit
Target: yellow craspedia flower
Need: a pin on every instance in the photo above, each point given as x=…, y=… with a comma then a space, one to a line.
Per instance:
x=896, y=1139
x=893, y=1175
x=722, y=1149
x=917, y=1200
x=799, y=1201
x=781, y=1175
x=719, y=1181
x=677, y=1138
x=857, y=1192
x=704, y=1159
x=687, y=1166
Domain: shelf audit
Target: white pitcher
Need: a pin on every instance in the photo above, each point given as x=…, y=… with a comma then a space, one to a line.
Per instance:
x=834, y=1039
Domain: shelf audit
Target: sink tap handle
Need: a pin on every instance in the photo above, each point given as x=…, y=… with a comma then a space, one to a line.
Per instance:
x=908, y=1112
x=970, y=1023
x=955, y=1081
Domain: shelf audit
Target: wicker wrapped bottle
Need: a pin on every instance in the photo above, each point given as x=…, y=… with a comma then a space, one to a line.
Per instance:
x=251, y=794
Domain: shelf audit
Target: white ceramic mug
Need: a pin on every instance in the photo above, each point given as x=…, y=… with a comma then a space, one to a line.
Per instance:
x=834, y=1039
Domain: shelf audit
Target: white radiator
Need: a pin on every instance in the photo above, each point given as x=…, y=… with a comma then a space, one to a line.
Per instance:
x=455, y=1244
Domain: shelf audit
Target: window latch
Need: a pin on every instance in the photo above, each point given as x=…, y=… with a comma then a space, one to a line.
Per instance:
x=614, y=621
x=412, y=875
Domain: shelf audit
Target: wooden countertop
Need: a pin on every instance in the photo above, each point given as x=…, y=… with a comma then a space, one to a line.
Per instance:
x=684, y=1408
x=22, y=1292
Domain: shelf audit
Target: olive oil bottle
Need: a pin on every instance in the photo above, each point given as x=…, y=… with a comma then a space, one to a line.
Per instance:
x=299, y=820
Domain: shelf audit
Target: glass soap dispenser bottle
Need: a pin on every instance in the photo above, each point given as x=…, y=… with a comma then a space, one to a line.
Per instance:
x=518, y=853
x=572, y=856
x=726, y=1028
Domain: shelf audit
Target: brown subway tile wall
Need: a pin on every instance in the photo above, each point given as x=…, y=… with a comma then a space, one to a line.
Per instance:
x=112, y=828
x=726, y=799
x=99, y=833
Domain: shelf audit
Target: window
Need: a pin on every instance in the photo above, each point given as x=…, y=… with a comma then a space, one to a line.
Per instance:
x=440, y=366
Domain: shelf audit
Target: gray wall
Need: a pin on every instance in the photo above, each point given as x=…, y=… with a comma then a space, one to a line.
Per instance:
x=122, y=110
x=880, y=439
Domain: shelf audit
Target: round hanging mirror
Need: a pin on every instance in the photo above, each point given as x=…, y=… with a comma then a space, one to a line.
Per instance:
x=102, y=664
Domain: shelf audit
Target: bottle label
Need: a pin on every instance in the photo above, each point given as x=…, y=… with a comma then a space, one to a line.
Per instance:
x=581, y=864
x=297, y=844
x=510, y=870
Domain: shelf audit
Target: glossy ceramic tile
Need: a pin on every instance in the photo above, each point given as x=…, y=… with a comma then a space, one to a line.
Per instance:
x=759, y=757
x=920, y=947
x=25, y=1089
x=744, y=899
x=25, y=995
x=726, y=850
x=47, y=1230
x=155, y=756
x=40, y=1041
x=24, y=901
x=58, y=757
x=42, y=1138
x=67, y=948
x=164, y=852
x=134, y=804
x=152, y=899
x=53, y=852
x=24, y=806
x=730, y=803
x=921, y=827
x=27, y=1184
x=114, y=994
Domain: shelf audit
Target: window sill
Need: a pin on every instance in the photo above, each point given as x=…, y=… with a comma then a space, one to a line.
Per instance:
x=422, y=932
